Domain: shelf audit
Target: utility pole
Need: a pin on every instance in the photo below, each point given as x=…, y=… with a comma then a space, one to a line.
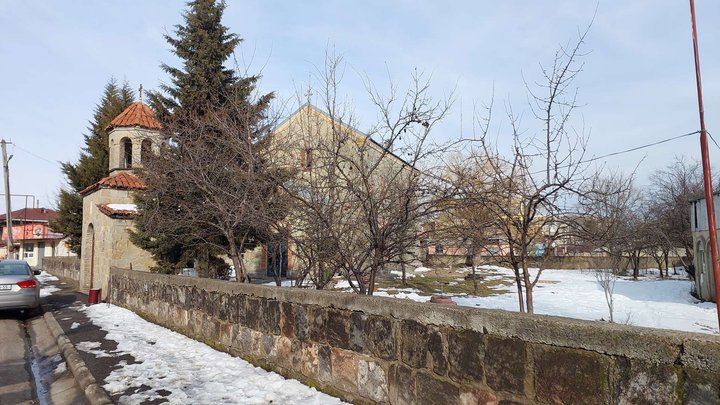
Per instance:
x=6, y=171
x=707, y=178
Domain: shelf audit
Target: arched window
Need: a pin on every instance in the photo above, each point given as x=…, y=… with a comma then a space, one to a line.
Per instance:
x=145, y=150
x=126, y=153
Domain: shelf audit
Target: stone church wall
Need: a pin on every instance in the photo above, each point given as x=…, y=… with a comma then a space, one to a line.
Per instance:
x=384, y=350
x=67, y=268
x=112, y=242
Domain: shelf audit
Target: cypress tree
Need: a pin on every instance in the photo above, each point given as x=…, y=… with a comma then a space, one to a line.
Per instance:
x=93, y=163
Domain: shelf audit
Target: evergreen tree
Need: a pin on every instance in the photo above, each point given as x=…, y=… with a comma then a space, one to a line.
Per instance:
x=93, y=163
x=203, y=85
x=205, y=46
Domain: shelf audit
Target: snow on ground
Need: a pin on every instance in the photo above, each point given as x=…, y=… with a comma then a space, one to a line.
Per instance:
x=190, y=371
x=283, y=283
x=399, y=274
x=650, y=301
x=46, y=289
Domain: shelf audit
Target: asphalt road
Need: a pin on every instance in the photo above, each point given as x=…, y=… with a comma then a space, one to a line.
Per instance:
x=16, y=382
x=31, y=368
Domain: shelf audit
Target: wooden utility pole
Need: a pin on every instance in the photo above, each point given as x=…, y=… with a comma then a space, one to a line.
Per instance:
x=707, y=177
x=8, y=218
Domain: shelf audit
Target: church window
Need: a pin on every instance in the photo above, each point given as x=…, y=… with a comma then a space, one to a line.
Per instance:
x=145, y=150
x=306, y=158
x=126, y=150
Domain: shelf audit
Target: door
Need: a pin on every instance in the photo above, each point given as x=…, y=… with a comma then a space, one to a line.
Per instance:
x=40, y=255
x=277, y=259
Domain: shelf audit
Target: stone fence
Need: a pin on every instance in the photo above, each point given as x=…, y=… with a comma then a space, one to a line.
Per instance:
x=65, y=267
x=385, y=350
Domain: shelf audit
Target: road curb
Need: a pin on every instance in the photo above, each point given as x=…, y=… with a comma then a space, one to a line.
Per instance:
x=94, y=393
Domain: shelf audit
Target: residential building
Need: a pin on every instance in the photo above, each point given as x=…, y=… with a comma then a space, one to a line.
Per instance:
x=33, y=239
x=704, y=279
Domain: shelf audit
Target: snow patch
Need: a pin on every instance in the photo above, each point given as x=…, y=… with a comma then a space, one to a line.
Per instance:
x=190, y=371
x=123, y=207
x=94, y=349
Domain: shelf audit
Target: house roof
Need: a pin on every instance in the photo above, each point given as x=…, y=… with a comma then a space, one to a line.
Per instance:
x=122, y=180
x=120, y=211
x=32, y=215
x=137, y=115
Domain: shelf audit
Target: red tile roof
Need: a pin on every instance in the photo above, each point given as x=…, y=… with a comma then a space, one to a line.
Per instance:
x=32, y=215
x=137, y=115
x=119, y=180
x=116, y=213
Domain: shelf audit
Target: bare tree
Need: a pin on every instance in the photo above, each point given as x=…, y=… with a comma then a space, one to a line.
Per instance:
x=671, y=189
x=362, y=196
x=465, y=222
x=211, y=183
x=604, y=224
x=536, y=182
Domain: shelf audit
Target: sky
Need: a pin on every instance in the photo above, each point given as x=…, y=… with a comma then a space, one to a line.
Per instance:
x=637, y=85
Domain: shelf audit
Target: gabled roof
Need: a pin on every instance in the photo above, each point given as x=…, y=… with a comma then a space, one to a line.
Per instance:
x=137, y=115
x=121, y=211
x=376, y=144
x=119, y=181
x=31, y=215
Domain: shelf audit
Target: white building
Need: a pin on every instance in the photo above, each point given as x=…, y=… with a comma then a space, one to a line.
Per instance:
x=704, y=280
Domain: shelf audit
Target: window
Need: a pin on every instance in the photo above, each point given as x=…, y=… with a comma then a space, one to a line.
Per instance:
x=145, y=150
x=306, y=158
x=14, y=269
x=126, y=150
x=28, y=250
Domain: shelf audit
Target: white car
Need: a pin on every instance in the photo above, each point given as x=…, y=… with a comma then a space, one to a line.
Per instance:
x=18, y=287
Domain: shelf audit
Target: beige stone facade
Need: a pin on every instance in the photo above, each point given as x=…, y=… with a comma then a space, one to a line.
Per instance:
x=106, y=242
x=108, y=206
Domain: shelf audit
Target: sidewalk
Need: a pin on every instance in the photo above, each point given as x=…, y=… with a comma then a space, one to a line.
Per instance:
x=139, y=362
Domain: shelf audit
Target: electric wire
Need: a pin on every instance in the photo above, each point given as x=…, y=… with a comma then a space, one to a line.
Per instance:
x=641, y=147
x=16, y=146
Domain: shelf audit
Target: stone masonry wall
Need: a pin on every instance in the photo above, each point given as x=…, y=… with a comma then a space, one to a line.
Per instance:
x=384, y=350
x=64, y=267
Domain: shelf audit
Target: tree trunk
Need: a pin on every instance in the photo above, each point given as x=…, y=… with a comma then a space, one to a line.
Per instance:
x=528, y=288
x=237, y=263
x=475, y=284
x=518, y=282
x=635, y=259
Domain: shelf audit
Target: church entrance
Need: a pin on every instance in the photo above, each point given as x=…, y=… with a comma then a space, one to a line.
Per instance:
x=277, y=259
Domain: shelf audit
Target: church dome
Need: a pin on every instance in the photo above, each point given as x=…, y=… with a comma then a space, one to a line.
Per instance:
x=137, y=115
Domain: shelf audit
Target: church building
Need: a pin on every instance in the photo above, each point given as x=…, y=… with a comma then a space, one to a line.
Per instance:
x=108, y=206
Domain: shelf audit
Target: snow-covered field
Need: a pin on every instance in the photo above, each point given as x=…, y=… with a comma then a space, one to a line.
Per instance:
x=187, y=371
x=650, y=301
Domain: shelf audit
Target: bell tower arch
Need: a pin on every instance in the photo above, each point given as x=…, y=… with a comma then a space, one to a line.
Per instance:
x=133, y=133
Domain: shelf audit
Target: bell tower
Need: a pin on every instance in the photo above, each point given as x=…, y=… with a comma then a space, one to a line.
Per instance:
x=134, y=134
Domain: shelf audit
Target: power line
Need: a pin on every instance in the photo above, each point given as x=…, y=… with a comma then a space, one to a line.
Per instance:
x=713, y=138
x=640, y=147
x=15, y=145
x=625, y=151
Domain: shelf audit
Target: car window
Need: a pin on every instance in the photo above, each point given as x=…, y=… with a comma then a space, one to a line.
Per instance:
x=14, y=269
